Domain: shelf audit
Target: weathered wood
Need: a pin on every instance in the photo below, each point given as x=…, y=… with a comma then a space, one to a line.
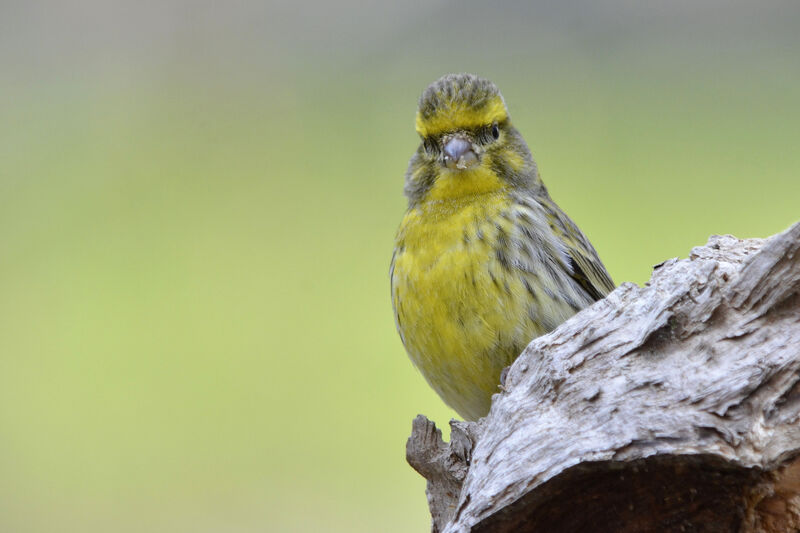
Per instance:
x=669, y=407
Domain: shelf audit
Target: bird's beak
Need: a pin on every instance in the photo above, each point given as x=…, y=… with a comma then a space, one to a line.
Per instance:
x=459, y=153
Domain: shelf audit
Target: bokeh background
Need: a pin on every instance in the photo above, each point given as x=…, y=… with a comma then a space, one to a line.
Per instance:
x=197, y=206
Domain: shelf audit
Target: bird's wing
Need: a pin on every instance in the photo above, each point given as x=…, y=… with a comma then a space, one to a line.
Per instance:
x=586, y=268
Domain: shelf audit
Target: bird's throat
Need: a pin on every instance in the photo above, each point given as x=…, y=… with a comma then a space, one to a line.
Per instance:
x=458, y=184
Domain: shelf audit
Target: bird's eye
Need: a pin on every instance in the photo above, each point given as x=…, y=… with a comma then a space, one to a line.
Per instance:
x=495, y=131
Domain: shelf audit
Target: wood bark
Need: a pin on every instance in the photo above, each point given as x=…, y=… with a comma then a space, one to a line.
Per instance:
x=669, y=407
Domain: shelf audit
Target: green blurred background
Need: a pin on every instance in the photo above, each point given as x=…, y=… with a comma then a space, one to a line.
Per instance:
x=198, y=202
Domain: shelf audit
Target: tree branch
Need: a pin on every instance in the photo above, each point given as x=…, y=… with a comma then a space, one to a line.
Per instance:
x=668, y=407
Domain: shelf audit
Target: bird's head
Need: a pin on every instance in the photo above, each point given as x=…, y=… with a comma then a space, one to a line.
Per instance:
x=468, y=143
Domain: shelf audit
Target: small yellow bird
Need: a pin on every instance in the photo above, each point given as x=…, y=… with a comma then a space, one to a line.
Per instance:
x=484, y=261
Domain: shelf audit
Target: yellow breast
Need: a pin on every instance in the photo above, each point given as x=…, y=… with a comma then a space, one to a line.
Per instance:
x=462, y=315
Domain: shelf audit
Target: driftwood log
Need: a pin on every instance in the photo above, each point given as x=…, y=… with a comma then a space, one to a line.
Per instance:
x=669, y=407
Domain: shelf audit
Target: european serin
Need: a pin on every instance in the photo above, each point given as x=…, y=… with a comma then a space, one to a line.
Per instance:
x=484, y=260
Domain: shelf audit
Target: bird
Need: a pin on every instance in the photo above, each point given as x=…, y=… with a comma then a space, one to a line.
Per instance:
x=484, y=260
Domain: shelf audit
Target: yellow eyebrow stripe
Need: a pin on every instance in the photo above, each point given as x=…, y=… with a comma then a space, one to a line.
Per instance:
x=461, y=116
